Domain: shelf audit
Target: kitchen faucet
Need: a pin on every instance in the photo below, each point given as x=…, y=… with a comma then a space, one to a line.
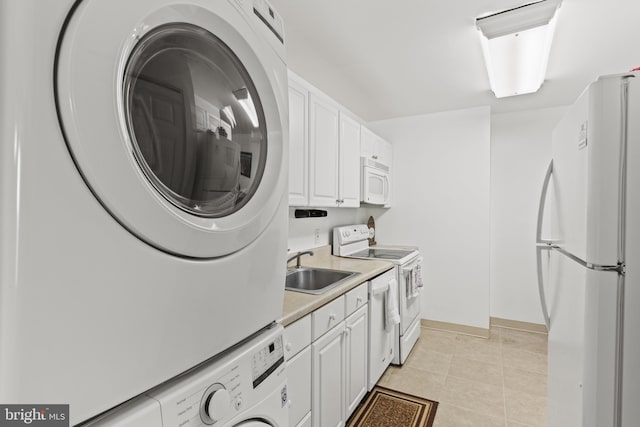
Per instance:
x=298, y=255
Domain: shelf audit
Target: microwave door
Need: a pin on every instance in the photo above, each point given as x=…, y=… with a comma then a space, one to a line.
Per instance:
x=375, y=187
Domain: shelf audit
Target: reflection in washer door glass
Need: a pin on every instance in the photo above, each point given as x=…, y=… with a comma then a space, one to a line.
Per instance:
x=195, y=120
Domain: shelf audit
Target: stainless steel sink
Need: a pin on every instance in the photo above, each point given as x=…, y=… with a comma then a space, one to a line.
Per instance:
x=315, y=280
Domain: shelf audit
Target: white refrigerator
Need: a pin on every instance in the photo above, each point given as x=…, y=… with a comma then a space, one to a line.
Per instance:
x=588, y=254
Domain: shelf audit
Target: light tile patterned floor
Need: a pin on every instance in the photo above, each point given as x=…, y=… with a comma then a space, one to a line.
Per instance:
x=500, y=381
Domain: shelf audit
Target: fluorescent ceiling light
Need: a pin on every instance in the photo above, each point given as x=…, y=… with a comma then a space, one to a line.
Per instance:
x=516, y=45
x=244, y=98
x=228, y=112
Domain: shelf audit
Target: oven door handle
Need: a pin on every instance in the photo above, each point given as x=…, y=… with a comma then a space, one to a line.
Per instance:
x=407, y=276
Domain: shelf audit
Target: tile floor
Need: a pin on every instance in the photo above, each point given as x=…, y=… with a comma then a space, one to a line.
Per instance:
x=500, y=381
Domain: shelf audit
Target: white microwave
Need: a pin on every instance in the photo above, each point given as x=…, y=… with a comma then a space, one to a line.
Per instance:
x=375, y=185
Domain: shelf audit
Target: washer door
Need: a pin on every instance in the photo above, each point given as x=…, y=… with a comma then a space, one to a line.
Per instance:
x=170, y=114
x=254, y=423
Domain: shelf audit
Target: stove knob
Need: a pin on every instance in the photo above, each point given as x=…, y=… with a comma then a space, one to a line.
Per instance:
x=217, y=404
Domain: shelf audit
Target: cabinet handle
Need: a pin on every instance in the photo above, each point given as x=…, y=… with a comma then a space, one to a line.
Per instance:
x=287, y=346
x=332, y=317
x=374, y=157
x=358, y=300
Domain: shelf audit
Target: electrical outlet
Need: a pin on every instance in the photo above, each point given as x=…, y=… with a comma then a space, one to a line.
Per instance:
x=317, y=236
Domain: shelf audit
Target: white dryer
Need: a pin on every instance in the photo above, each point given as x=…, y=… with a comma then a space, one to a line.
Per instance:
x=143, y=202
x=245, y=388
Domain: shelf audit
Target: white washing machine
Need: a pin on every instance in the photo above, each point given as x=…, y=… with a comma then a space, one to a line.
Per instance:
x=247, y=388
x=143, y=202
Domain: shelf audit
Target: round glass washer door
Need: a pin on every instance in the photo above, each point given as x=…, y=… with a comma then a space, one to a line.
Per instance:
x=182, y=141
x=195, y=120
x=254, y=423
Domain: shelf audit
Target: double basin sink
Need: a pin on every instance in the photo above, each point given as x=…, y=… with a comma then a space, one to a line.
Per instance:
x=315, y=280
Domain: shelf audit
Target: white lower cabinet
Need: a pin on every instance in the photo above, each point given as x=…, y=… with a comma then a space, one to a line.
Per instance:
x=327, y=361
x=339, y=359
x=297, y=347
x=356, y=359
x=298, y=389
x=328, y=366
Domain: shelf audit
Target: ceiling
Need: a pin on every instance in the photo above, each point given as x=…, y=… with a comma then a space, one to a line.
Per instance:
x=384, y=59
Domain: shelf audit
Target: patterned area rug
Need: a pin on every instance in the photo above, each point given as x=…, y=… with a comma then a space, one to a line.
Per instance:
x=389, y=408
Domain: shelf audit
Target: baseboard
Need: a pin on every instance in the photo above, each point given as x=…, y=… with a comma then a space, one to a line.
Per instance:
x=455, y=327
x=517, y=324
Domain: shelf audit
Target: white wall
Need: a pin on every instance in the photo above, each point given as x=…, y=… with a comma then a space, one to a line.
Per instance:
x=302, y=230
x=441, y=203
x=520, y=154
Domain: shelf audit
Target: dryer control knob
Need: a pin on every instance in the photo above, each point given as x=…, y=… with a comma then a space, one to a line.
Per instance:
x=217, y=404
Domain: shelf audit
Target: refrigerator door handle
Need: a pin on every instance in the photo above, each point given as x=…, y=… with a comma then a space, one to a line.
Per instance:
x=543, y=245
x=541, y=205
x=543, y=299
x=619, y=268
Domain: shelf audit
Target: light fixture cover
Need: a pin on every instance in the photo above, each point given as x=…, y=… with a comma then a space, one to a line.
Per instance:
x=516, y=45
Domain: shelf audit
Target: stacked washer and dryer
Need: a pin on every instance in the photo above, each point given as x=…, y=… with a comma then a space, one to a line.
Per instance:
x=143, y=222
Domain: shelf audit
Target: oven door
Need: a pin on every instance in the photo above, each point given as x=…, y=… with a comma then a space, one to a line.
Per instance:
x=409, y=293
x=375, y=186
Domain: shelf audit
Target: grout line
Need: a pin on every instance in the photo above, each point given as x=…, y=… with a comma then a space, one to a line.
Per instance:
x=504, y=391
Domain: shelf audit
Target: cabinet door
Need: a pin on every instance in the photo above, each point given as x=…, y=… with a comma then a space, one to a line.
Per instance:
x=356, y=359
x=367, y=143
x=349, y=176
x=298, y=145
x=299, y=386
x=384, y=152
x=328, y=366
x=323, y=145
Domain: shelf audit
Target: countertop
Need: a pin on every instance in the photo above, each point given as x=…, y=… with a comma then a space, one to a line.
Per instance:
x=298, y=304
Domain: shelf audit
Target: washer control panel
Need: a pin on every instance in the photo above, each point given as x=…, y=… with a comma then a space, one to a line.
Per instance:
x=218, y=390
x=267, y=360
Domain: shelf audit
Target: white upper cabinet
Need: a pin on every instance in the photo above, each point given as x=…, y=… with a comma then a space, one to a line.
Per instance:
x=375, y=148
x=349, y=162
x=298, y=144
x=323, y=148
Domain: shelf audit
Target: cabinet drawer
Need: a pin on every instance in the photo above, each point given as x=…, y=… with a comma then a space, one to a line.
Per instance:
x=297, y=336
x=356, y=298
x=327, y=317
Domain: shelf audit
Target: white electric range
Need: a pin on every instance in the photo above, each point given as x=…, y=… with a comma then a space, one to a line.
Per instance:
x=352, y=241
